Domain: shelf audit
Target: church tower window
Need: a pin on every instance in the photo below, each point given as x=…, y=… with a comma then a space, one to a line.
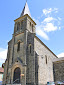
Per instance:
x=32, y=27
x=18, y=26
x=46, y=59
x=30, y=23
x=18, y=47
x=30, y=48
x=21, y=24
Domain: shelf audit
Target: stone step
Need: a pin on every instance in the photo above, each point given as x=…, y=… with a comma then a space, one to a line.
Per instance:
x=13, y=84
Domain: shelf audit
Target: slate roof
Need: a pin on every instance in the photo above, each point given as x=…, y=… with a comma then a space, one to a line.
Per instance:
x=59, y=59
x=25, y=10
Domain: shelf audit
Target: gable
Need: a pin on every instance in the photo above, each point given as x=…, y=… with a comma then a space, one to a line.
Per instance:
x=44, y=45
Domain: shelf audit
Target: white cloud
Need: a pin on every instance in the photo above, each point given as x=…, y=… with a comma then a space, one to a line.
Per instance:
x=42, y=34
x=48, y=19
x=59, y=18
x=59, y=28
x=40, y=31
x=49, y=24
x=50, y=27
x=49, y=10
x=56, y=10
x=45, y=26
x=60, y=55
x=3, y=55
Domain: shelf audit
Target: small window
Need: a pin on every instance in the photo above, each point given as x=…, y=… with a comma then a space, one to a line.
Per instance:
x=30, y=48
x=18, y=26
x=18, y=47
x=46, y=59
x=21, y=24
x=17, y=61
x=32, y=27
x=30, y=23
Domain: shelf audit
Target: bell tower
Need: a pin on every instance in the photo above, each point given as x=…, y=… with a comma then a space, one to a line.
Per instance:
x=20, y=64
x=24, y=32
x=25, y=22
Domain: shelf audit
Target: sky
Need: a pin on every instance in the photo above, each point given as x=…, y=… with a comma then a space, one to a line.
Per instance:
x=48, y=15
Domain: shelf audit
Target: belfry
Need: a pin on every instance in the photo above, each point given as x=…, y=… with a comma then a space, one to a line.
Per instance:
x=29, y=60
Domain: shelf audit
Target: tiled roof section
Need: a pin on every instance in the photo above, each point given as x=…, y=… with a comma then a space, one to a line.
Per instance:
x=1, y=70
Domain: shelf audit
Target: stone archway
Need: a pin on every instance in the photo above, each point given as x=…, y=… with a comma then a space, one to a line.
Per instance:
x=16, y=77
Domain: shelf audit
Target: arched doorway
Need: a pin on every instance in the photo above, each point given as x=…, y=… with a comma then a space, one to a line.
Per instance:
x=16, y=77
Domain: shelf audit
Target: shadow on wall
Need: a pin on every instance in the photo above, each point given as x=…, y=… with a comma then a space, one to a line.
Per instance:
x=36, y=68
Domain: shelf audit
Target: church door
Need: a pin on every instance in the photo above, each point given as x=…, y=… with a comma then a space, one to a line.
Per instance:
x=16, y=77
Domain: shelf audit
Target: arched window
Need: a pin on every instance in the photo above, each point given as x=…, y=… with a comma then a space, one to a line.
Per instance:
x=21, y=24
x=30, y=48
x=14, y=27
x=18, y=26
x=46, y=59
x=18, y=46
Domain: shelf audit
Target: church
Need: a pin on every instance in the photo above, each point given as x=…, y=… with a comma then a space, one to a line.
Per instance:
x=29, y=61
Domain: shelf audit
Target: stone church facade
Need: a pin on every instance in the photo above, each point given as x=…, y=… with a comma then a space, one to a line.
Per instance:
x=29, y=60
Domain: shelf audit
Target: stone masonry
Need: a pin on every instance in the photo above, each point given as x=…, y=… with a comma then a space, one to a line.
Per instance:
x=58, y=69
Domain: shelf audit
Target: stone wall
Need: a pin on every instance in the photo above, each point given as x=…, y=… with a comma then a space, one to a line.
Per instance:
x=59, y=70
x=45, y=66
x=30, y=59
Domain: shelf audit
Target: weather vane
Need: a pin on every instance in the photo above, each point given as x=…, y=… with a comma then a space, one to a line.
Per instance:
x=26, y=0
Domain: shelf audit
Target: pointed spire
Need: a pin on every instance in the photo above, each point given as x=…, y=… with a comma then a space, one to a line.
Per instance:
x=25, y=10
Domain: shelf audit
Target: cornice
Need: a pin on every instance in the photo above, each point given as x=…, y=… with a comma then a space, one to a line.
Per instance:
x=26, y=15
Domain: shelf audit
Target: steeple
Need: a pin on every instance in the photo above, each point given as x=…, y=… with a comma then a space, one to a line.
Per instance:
x=24, y=22
x=25, y=10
